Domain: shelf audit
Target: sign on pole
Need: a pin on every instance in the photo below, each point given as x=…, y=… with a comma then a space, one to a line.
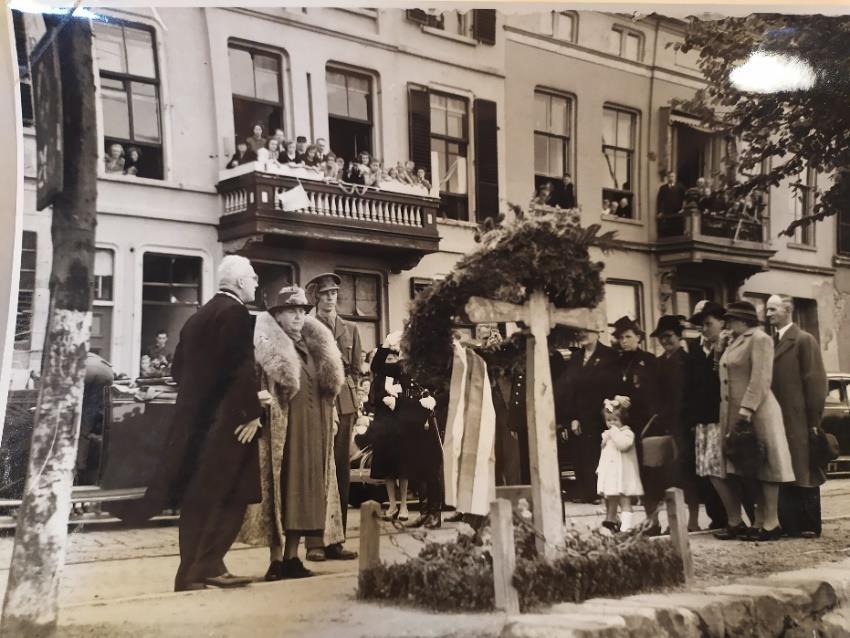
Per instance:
x=47, y=94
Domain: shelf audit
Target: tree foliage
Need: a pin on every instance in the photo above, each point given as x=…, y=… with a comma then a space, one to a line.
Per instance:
x=791, y=130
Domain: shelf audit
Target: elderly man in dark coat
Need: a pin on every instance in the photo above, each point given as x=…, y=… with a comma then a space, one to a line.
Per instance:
x=210, y=467
x=800, y=386
x=323, y=292
x=671, y=196
x=588, y=378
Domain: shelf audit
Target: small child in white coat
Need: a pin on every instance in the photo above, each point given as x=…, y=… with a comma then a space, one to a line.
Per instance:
x=618, y=475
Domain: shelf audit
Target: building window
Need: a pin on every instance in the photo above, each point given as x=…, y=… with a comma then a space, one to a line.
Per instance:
x=804, y=206
x=26, y=292
x=350, y=114
x=257, y=88
x=272, y=276
x=844, y=231
x=430, y=18
x=102, y=303
x=449, y=143
x=25, y=84
x=171, y=293
x=564, y=25
x=552, y=117
x=618, y=150
x=360, y=301
x=626, y=43
x=477, y=23
x=129, y=91
x=623, y=298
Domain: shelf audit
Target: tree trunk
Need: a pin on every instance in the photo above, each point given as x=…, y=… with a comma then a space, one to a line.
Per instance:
x=31, y=604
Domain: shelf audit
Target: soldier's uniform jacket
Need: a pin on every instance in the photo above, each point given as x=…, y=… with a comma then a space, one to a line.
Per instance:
x=348, y=341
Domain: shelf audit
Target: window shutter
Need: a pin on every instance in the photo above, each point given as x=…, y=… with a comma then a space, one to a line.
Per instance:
x=20, y=38
x=419, y=106
x=484, y=25
x=486, y=159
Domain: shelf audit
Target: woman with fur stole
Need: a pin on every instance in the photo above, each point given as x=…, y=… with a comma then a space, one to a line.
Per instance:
x=300, y=366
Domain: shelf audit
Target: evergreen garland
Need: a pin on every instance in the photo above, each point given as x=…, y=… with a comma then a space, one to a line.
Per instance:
x=545, y=250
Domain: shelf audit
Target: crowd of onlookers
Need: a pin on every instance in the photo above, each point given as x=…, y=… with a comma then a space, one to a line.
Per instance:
x=364, y=170
x=672, y=196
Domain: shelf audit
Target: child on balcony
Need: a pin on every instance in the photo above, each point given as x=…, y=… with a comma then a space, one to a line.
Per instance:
x=311, y=156
x=271, y=153
x=331, y=168
x=618, y=475
x=290, y=156
x=421, y=179
x=373, y=177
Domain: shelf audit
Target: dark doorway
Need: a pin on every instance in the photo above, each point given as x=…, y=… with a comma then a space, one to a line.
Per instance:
x=348, y=137
x=691, y=146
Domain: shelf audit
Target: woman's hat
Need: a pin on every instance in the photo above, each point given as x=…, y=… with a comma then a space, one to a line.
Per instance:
x=669, y=322
x=706, y=308
x=743, y=310
x=625, y=323
x=290, y=297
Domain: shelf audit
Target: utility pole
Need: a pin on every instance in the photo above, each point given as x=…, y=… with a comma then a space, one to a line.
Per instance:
x=31, y=604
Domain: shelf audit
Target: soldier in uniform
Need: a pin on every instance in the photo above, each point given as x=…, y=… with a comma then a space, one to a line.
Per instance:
x=323, y=291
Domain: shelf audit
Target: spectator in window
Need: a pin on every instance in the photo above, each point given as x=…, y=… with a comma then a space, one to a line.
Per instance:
x=160, y=355
x=624, y=210
x=614, y=208
x=421, y=179
x=290, y=155
x=115, y=159
x=271, y=153
x=131, y=165
x=358, y=170
x=242, y=156
x=564, y=194
x=300, y=147
x=671, y=196
x=323, y=150
x=330, y=167
x=311, y=156
x=257, y=140
x=544, y=192
x=606, y=207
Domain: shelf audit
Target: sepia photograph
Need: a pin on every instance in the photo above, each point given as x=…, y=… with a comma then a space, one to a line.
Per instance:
x=465, y=320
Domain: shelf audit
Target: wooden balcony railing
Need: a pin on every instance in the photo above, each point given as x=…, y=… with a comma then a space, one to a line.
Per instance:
x=695, y=224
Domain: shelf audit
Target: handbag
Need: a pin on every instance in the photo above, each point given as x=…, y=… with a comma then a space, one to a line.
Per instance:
x=658, y=451
x=744, y=448
x=823, y=447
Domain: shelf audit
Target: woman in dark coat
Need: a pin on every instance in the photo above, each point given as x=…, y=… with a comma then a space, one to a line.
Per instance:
x=638, y=379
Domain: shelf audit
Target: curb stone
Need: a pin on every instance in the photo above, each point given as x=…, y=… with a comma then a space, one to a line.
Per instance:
x=794, y=604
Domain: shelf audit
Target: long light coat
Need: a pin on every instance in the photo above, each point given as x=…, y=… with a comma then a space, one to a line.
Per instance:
x=280, y=373
x=746, y=371
x=800, y=386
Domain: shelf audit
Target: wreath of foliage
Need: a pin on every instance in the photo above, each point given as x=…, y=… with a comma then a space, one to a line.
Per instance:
x=545, y=250
x=458, y=576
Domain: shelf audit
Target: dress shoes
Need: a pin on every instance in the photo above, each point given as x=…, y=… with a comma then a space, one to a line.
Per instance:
x=227, y=580
x=432, y=521
x=316, y=555
x=767, y=535
x=457, y=517
x=294, y=568
x=338, y=552
x=739, y=531
x=275, y=571
x=611, y=525
x=190, y=587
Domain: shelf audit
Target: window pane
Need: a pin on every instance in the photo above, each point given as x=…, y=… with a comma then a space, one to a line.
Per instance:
x=109, y=42
x=455, y=125
x=556, y=156
x=145, y=112
x=267, y=77
x=103, y=262
x=358, y=99
x=116, y=116
x=564, y=26
x=560, y=115
x=614, y=39
x=140, y=60
x=541, y=154
x=624, y=130
x=621, y=300
x=609, y=127
x=438, y=120
x=632, y=48
x=367, y=296
x=345, y=300
x=457, y=170
x=241, y=72
x=541, y=112
x=187, y=270
x=337, y=95
x=609, y=176
x=27, y=260
x=438, y=101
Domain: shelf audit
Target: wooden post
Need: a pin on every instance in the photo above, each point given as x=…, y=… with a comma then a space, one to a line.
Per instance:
x=542, y=442
x=504, y=556
x=677, y=520
x=31, y=605
x=370, y=538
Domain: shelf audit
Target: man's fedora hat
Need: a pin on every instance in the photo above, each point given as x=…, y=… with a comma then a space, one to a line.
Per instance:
x=290, y=297
x=624, y=323
x=674, y=323
x=706, y=308
x=743, y=310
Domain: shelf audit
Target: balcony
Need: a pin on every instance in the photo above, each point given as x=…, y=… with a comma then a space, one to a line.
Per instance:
x=733, y=238
x=397, y=221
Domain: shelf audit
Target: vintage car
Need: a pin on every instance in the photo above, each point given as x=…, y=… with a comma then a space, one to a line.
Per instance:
x=836, y=420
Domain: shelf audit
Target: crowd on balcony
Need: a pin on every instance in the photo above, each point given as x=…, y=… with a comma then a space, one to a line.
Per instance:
x=363, y=170
x=672, y=196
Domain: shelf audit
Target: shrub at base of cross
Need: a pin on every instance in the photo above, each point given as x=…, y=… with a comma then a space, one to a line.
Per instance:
x=458, y=576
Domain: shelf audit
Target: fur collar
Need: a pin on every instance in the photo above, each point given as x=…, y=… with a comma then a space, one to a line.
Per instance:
x=276, y=355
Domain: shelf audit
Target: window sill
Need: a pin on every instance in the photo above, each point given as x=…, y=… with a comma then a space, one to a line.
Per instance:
x=841, y=261
x=456, y=222
x=798, y=246
x=621, y=220
x=462, y=39
x=372, y=14
x=147, y=181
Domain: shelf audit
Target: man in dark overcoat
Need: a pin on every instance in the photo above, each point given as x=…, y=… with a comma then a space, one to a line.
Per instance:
x=800, y=386
x=210, y=468
x=323, y=292
x=671, y=196
x=588, y=378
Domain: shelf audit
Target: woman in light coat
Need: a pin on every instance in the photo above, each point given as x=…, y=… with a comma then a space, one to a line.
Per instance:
x=746, y=370
x=300, y=366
